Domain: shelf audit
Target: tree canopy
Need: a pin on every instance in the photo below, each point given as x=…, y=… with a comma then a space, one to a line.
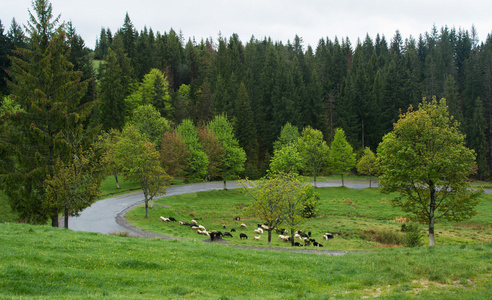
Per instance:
x=425, y=159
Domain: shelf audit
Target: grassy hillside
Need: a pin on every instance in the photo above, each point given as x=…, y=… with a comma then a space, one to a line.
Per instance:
x=358, y=216
x=43, y=262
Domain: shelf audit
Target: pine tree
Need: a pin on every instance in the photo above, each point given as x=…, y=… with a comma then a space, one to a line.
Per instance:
x=49, y=93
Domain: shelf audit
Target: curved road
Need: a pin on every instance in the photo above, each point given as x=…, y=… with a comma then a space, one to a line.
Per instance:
x=102, y=216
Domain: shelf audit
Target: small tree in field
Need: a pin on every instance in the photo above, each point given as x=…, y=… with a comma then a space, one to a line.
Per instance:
x=139, y=162
x=425, y=159
x=368, y=164
x=313, y=151
x=342, y=156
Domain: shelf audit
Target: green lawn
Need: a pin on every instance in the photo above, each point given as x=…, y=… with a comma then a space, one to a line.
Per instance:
x=352, y=214
x=40, y=262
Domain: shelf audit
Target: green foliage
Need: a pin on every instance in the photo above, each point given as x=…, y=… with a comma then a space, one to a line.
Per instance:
x=426, y=161
x=413, y=234
x=342, y=156
x=368, y=164
x=154, y=90
x=232, y=163
x=279, y=199
x=196, y=169
x=313, y=151
x=48, y=94
x=140, y=161
x=149, y=122
x=289, y=135
x=286, y=159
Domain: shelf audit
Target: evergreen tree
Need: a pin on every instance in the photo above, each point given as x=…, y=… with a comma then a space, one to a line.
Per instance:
x=35, y=138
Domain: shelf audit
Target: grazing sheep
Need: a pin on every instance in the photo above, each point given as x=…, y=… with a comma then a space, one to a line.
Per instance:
x=243, y=235
x=258, y=225
x=193, y=222
x=259, y=231
x=297, y=244
x=327, y=236
x=284, y=238
x=309, y=233
x=233, y=230
x=227, y=234
x=257, y=238
x=243, y=225
x=195, y=227
x=264, y=227
x=237, y=218
x=184, y=223
x=172, y=219
x=201, y=227
x=215, y=234
x=164, y=219
x=223, y=226
x=298, y=236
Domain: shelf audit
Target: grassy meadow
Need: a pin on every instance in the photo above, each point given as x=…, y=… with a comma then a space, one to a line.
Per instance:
x=358, y=217
x=40, y=262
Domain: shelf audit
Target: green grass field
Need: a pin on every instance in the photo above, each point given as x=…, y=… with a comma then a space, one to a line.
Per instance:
x=350, y=213
x=40, y=262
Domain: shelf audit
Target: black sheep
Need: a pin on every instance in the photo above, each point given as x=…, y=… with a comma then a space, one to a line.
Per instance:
x=172, y=219
x=233, y=230
x=227, y=234
x=243, y=235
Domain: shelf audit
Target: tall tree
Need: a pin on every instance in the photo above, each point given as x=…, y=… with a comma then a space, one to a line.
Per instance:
x=314, y=152
x=425, y=159
x=232, y=163
x=49, y=93
x=149, y=122
x=342, y=156
x=139, y=162
x=174, y=154
x=111, y=94
x=197, y=165
x=368, y=164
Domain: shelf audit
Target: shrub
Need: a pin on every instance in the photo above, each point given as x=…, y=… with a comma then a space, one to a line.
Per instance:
x=413, y=235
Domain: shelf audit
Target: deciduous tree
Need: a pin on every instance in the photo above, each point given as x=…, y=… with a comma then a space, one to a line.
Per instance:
x=342, y=156
x=425, y=159
x=234, y=157
x=314, y=152
x=139, y=162
x=368, y=164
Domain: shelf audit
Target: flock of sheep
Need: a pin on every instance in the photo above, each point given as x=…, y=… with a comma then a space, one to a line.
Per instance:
x=305, y=238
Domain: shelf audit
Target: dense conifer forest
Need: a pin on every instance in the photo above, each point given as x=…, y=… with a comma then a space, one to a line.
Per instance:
x=261, y=84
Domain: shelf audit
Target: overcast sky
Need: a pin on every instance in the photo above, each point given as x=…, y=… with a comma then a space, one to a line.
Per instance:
x=280, y=20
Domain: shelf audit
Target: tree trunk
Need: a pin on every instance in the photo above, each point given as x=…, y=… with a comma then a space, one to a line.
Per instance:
x=146, y=208
x=225, y=187
x=343, y=184
x=292, y=236
x=315, y=181
x=115, y=173
x=66, y=218
x=54, y=218
x=269, y=236
x=369, y=180
x=432, y=208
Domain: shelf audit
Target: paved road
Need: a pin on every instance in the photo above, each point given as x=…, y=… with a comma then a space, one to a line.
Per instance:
x=102, y=216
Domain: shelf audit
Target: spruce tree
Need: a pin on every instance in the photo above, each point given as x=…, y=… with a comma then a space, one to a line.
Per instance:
x=49, y=94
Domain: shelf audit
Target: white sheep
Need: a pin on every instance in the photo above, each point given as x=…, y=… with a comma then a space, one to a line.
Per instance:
x=165, y=219
x=243, y=225
x=297, y=236
x=264, y=227
x=259, y=231
x=193, y=222
x=257, y=238
x=195, y=227
x=284, y=238
x=201, y=227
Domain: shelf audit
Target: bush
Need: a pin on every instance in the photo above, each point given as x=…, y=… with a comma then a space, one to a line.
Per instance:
x=413, y=235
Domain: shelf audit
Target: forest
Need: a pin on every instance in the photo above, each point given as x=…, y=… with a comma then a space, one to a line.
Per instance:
x=261, y=84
